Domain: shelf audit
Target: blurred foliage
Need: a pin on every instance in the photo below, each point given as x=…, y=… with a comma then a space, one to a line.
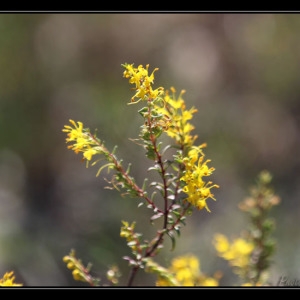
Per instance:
x=241, y=73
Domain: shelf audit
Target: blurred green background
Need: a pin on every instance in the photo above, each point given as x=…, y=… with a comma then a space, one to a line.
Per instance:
x=242, y=73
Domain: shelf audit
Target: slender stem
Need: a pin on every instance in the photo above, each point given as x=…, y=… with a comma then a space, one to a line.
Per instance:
x=132, y=275
x=159, y=238
x=120, y=169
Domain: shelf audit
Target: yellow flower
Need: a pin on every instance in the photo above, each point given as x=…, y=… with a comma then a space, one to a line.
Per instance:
x=175, y=111
x=8, y=280
x=88, y=154
x=82, y=141
x=139, y=76
x=73, y=133
x=209, y=281
x=221, y=243
x=196, y=188
x=238, y=252
x=186, y=271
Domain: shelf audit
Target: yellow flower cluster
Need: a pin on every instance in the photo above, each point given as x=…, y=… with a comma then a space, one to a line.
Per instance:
x=79, y=272
x=186, y=270
x=82, y=141
x=238, y=252
x=175, y=110
x=127, y=232
x=139, y=76
x=196, y=188
x=174, y=120
x=8, y=280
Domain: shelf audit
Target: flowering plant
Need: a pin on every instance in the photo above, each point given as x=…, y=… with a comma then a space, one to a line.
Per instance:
x=184, y=185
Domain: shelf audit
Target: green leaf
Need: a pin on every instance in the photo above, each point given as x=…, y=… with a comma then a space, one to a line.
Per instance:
x=144, y=112
x=177, y=229
x=132, y=243
x=165, y=149
x=171, y=235
x=151, y=153
x=157, y=216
